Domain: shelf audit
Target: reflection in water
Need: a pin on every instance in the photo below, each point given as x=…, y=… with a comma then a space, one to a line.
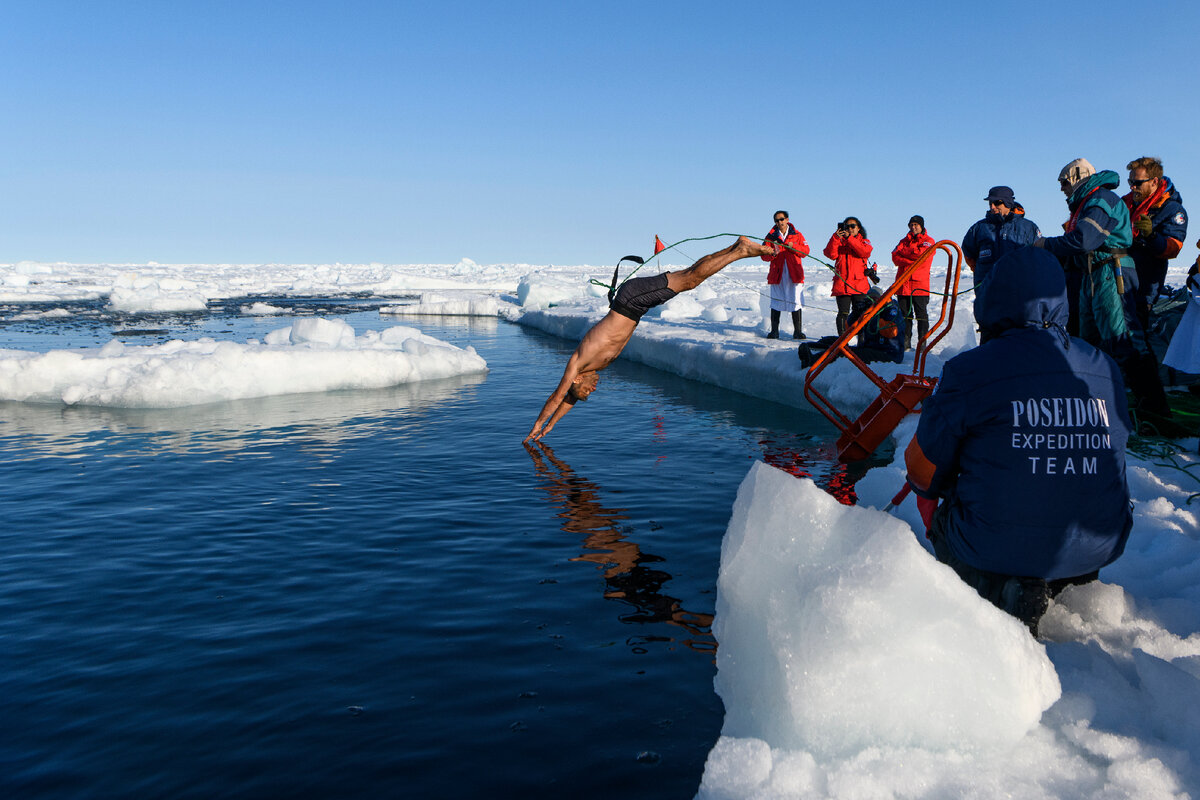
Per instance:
x=810, y=462
x=320, y=420
x=801, y=439
x=627, y=576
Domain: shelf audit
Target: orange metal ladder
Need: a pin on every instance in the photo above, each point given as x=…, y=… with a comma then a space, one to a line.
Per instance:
x=902, y=394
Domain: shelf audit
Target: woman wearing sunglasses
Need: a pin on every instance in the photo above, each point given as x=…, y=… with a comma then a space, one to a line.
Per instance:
x=786, y=275
x=850, y=248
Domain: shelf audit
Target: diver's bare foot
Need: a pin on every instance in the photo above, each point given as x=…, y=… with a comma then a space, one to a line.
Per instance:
x=752, y=248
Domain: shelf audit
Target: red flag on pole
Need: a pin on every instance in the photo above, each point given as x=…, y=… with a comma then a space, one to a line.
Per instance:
x=658, y=245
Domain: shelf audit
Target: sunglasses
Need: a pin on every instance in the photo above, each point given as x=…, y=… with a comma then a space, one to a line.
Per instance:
x=997, y=203
x=1135, y=184
x=781, y=219
x=851, y=224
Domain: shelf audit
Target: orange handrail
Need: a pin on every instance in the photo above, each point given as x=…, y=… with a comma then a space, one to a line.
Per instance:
x=842, y=347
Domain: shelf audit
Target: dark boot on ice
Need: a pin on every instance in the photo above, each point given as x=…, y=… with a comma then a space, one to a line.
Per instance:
x=797, y=328
x=774, y=334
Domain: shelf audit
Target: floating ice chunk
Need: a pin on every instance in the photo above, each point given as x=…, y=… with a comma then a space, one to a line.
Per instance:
x=138, y=294
x=318, y=330
x=314, y=355
x=533, y=291
x=53, y=313
x=838, y=633
x=262, y=309
x=441, y=305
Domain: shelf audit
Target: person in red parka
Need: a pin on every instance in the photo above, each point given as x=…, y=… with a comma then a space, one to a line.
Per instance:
x=850, y=248
x=786, y=275
x=914, y=294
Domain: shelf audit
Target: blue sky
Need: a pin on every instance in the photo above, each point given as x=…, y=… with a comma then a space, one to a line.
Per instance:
x=564, y=133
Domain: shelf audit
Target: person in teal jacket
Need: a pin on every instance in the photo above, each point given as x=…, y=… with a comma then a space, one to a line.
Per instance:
x=1095, y=246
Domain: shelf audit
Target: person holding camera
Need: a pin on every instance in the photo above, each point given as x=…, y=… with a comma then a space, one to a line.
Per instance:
x=850, y=248
x=914, y=294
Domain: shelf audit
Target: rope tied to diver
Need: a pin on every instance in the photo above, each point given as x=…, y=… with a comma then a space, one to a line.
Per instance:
x=641, y=262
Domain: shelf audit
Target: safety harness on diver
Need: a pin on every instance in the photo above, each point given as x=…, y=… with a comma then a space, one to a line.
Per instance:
x=612, y=290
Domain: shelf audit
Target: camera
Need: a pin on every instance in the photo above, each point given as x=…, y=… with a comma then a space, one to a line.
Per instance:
x=841, y=226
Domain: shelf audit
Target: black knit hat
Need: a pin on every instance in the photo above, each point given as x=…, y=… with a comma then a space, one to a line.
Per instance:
x=917, y=218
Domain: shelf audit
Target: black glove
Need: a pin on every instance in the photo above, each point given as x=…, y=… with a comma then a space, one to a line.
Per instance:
x=872, y=274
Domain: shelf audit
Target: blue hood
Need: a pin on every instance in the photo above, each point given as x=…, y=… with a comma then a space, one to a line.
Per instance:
x=1025, y=288
x=1172, y=193
x=1105, y=179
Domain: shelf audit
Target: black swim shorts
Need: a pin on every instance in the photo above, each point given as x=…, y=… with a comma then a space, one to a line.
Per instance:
x=638, y=295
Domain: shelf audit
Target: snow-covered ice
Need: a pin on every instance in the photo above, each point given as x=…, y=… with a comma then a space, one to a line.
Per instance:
x=851, y=663
x=312, y=355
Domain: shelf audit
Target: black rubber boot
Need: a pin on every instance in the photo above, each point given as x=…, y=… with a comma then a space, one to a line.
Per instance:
x=797, y=329
x=774, y=334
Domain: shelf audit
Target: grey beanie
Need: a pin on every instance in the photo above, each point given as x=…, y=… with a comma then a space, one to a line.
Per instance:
x=1076, y=173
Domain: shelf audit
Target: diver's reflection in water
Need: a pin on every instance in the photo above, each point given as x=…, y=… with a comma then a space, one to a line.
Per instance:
x=627, y=576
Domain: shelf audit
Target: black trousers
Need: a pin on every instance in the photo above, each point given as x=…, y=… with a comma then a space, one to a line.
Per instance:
x=914, y=306
x=1023, y=597
x=850, y=308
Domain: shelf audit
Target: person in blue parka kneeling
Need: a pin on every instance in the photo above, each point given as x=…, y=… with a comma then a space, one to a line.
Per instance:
x=1023, y=441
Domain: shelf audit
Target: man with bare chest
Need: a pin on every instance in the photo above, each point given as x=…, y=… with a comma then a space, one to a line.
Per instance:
x=608, y=337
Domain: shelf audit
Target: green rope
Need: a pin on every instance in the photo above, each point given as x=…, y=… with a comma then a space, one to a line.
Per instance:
x=1166, y=454
x=665, y=250
x=786, y=246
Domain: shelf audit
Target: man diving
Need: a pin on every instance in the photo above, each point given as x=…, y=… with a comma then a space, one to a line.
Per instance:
x=608, y=337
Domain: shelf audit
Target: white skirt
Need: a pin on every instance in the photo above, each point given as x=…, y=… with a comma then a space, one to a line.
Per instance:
x=785, y=295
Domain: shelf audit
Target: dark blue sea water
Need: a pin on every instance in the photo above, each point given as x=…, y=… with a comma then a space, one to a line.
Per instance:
x=370, y=594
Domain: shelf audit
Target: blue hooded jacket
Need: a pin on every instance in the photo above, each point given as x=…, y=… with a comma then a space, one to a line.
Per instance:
x=1027, y=435
x=1101, y=223
x=1151, y=254
x=993, y=237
